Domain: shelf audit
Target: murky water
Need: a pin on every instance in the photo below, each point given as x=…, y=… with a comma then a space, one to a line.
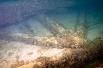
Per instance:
x=68, y=16
x=26, y=24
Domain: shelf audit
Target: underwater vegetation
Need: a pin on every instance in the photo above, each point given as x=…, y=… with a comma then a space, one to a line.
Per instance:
x=63, y=49
x=51, y=34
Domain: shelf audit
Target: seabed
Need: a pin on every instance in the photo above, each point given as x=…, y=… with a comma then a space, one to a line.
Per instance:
x=64, y=49
x=51, y=34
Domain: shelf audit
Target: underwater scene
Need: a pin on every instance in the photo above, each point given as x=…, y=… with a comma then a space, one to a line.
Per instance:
x=51, y=34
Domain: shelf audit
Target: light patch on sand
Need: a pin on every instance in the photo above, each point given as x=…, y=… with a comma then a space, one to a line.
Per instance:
x=14, y=52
